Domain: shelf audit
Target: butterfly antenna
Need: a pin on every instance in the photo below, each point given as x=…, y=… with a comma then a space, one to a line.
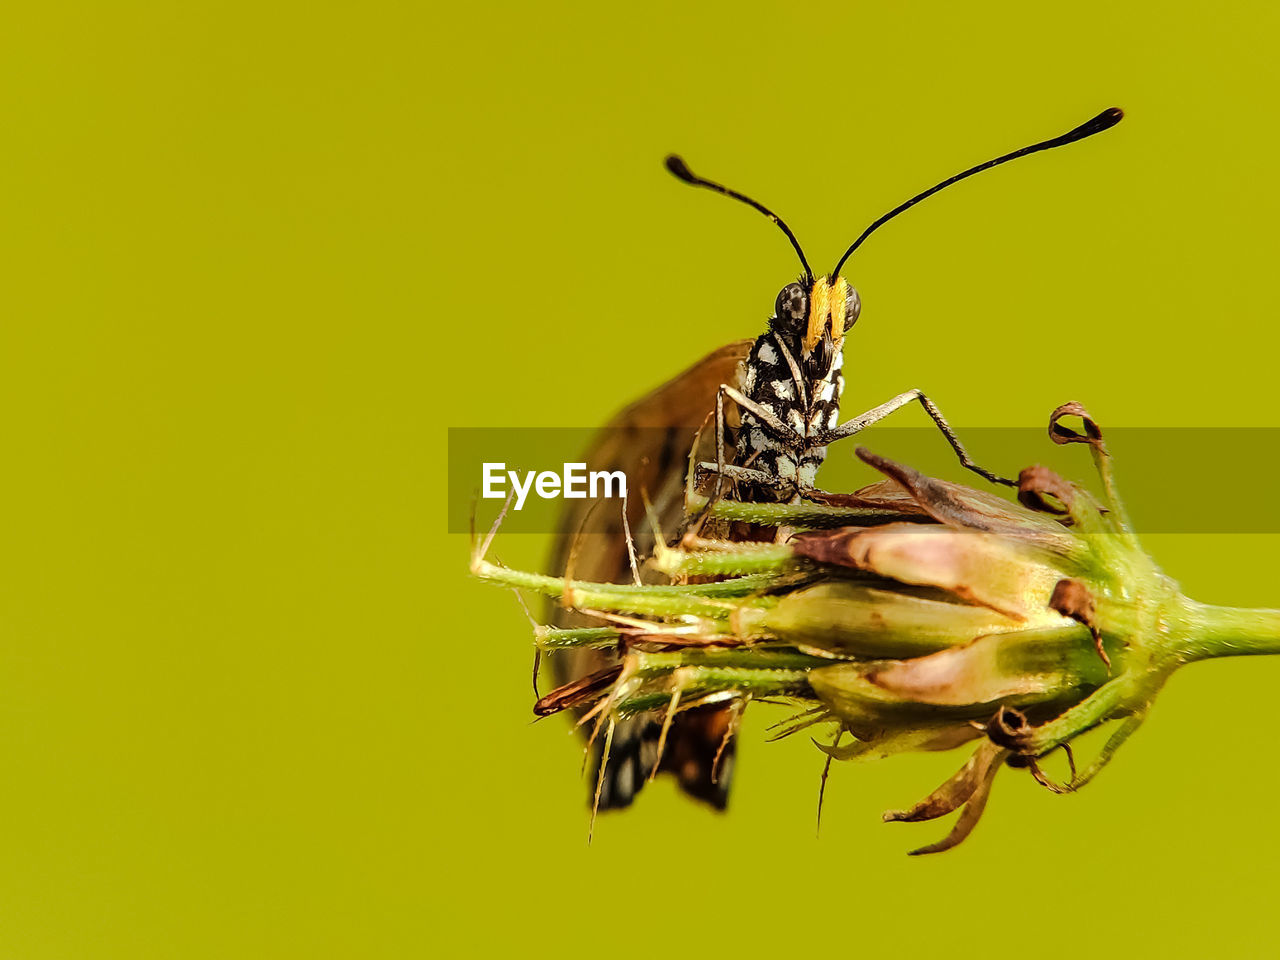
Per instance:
x=682, y=172
x=1105, y=120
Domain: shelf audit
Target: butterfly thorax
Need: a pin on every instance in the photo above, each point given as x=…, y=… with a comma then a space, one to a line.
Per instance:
x=793, y=372
x=809, y=405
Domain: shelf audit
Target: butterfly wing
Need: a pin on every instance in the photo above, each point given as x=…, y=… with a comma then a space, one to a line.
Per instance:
x=649, y=441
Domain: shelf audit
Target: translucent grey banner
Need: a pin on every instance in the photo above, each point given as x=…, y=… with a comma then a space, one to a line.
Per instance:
x=1173, y=480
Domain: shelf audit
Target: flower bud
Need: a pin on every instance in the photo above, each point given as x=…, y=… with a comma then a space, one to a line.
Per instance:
x=914, y=614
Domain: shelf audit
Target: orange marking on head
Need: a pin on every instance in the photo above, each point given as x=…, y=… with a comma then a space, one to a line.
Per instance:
x=819, y=311
x=839, y=293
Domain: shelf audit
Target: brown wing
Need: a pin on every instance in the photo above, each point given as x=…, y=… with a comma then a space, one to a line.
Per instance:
x=650, y=442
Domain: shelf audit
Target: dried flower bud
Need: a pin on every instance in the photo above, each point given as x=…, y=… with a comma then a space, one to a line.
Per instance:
x=916, y=615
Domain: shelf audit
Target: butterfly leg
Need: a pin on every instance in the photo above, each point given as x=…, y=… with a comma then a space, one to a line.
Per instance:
x=876, y=414
x=784, y=433
x=745, y=474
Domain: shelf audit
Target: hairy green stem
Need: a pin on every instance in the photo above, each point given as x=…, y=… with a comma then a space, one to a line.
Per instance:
x=709, y=600
x=1202, y=631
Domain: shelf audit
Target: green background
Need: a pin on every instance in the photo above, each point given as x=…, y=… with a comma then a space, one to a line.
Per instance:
x=256, y=258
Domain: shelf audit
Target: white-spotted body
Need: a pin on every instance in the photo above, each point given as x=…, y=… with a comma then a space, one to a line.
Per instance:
x=793, y=372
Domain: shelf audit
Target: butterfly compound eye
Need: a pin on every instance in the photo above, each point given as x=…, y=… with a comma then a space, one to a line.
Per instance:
x=852, y=307
x=792, y=306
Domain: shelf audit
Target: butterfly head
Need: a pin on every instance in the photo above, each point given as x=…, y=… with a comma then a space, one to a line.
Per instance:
x=812, y=311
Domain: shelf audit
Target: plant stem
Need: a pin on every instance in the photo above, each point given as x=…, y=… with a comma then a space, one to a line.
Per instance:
x=715, y=601
x=805, y=514
x=1203, y=631
x=742, y=559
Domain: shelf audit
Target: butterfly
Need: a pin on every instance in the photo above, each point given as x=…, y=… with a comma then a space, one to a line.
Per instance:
x=786, y=386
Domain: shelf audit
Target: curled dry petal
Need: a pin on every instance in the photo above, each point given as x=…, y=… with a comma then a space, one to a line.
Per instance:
x=1060, y=434
x=956, y=791
x=1009, y=729
x=986, y=764
x=885, y=495
x=577, y=691
x=1073, y=599
x=1033, y=485
x=961, y=507
x=939, y=498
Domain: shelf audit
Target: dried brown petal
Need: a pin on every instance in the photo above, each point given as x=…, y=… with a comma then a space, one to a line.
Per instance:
x=956, y=791
x=1092, y=432
x=961, y=507
x=578, y=691
x=1072, y=598
x=967, y=820
x=898, y=501
x=939, y=498
x=1010, y=728
x=1035, y=482
x=970, y=787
